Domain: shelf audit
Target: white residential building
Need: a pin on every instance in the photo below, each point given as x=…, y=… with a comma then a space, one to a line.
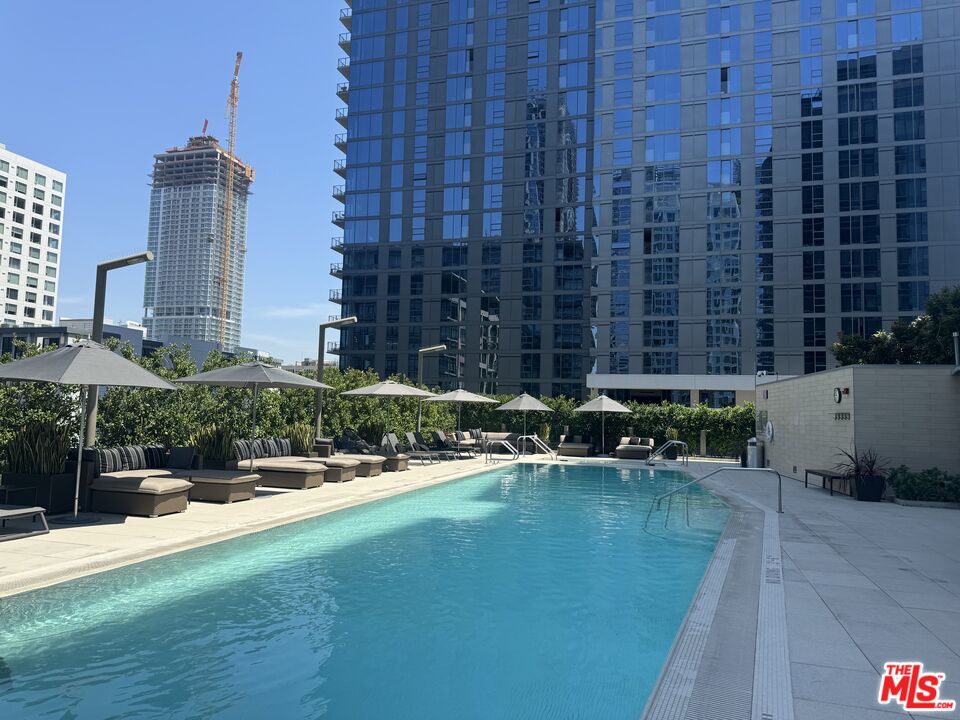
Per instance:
x=31, y=224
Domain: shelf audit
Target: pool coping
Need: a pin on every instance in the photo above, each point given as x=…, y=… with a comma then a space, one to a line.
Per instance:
x=737, y=667
x=52, y=573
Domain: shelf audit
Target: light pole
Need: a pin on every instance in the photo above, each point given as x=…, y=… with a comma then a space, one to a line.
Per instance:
x=96, y=333
x=420, y=353
x=342, y=322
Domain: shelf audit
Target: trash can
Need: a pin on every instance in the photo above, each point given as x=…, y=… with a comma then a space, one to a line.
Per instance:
x=754, y=453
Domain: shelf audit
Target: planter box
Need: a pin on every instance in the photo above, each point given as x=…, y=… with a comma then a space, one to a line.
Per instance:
x=54, y=492
x=927, y=503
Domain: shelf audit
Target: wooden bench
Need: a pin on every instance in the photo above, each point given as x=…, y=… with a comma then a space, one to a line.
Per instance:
x=826, y=475
x=15, y=512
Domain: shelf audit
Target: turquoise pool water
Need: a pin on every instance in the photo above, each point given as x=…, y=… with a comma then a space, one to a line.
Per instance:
x=531, y=591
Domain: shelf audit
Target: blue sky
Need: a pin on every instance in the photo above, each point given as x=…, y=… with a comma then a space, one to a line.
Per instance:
x=100, y=87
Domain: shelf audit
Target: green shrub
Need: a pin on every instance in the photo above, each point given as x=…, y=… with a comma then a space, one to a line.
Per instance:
x=931, y=485
x=39, y=447
x=301, y=437
x=214, y=444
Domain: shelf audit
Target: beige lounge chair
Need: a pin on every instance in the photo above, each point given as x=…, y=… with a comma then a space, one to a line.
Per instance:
x=634, y=448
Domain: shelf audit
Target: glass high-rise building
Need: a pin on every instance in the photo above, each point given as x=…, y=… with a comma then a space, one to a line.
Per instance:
x=195, y=272
x=660, y=198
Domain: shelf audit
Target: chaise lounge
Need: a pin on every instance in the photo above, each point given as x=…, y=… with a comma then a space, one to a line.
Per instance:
x=575, y=446
x=634, y=448
x=274, y=461
x=143, y=480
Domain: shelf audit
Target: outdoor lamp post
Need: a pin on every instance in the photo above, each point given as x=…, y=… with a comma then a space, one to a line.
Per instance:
x=420, y=353
x=96, y=334
x=342, y=322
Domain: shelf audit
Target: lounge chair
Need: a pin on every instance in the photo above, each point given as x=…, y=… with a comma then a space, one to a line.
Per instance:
x=441, y=442
x=634, y=448
x=420, y=442
x=417, y=453
x=18, y=512
x=353, y=446
x=575, y=446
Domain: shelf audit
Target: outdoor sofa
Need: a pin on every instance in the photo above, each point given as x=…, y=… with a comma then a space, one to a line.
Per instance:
x=149, y=480
x=274, y=461
x=575, y=446
x=635, y=448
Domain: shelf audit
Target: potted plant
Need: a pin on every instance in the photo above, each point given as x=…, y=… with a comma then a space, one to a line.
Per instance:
x=214, y=446
x=867, y=472
x=301, y=439
x=671, y=451
x=36, y=459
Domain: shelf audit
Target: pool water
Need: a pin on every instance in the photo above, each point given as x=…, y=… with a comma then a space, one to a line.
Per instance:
x=531, y=591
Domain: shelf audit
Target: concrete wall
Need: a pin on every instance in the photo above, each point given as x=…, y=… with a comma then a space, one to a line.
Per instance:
x=909, y=414
x=808, y=433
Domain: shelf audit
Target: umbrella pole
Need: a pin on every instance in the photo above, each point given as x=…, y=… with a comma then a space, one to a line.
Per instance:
x=524, y=445
x=253, y=433
x=603, y=432
x=83, y=414
x=459, y=408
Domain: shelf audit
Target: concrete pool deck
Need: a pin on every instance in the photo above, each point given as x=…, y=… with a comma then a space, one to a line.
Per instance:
x=863, y=584
x=860, y=584
x=72, y=551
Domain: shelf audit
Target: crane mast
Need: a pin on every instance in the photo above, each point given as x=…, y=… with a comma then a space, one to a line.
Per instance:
x=232, y=101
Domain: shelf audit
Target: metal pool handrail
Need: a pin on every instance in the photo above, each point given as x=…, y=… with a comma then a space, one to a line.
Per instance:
x=660, y=498
x=668, y=443
x=537, y=442
x=488, y=447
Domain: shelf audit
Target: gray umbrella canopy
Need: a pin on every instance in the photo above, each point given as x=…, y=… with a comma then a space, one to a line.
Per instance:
x=603, y=405
x=253, y=374
x=389, y=388
x=525, y=403
x=83, y=363
x=460, y=397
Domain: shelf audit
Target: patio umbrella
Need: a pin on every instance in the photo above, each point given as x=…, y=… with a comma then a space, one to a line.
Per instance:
x=253, y=375
x=389, y=388
x=603, y=405
x=460, y=397
x=83, y=363
x=525, y=403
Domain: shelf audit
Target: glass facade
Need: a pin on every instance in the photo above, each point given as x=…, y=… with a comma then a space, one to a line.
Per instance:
x=555, y=188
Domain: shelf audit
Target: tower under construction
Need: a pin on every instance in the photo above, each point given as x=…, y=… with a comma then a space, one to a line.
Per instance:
x=197, y=233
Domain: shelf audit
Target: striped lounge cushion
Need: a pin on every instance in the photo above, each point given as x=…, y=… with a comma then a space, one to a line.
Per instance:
x=109, y=460
x=286, y=447
x=133, y=457
x=242, y=449
x=156, y=456
x=261, y=448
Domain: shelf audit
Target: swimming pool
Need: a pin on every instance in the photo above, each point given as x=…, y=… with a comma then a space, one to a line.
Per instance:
x=531, y=591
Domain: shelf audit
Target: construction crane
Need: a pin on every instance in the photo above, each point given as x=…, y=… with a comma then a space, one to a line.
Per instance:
x=228, y=198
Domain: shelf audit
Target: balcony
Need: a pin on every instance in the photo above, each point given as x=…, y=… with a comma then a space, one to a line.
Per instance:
x=333, y=347
x=337, y=218
x=344, y=42
x=336, y=244
x=342, y=116
x=333, y=318
x=343, y=65
x=335, y=296
x=346, y=17
x=339, y=193
x=336, y=269
x=340, y=167
x=342, y=90
x=340, y=142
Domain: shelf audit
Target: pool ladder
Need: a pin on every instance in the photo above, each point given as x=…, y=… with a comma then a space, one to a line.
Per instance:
x=684, y=458
x=488, y=451
x=655, y=505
